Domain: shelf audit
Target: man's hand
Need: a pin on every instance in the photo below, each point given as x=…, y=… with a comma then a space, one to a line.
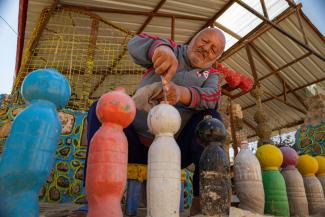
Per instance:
x=173, y=94
x=165, y=63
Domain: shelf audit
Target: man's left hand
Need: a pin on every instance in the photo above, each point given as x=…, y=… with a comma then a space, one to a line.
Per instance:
x=173, y=93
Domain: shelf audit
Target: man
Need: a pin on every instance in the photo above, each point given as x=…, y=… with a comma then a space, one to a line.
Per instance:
x=192, y=86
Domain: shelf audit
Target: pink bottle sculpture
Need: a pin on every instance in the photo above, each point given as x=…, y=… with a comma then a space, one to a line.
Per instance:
x=108, y=155
x=295, y=184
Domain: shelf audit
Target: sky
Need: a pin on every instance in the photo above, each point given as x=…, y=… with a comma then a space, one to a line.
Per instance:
x=8, y=43
x=314, y=9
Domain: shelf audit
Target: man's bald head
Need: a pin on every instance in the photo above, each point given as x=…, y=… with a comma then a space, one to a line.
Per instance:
x=206, y=47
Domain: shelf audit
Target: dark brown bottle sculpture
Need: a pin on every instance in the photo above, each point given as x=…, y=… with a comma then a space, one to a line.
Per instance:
x=215, y=184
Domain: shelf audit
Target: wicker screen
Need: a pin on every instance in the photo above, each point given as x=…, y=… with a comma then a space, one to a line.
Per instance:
x=90, y=51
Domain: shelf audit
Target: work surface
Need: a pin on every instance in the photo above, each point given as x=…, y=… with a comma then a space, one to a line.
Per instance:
x=67, y=210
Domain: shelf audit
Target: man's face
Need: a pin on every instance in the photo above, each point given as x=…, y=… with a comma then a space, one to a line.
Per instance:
x=205, y=49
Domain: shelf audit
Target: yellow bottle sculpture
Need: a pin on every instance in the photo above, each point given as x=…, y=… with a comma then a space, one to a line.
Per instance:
x=276, y=200
x=321, y=171
x=308, y=166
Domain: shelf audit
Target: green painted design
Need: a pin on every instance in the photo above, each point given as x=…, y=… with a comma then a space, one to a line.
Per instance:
x=276, y=200
x=126, y=107
x=311, y=140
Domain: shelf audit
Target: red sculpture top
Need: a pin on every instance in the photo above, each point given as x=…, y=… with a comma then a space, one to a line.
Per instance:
x=116, y=107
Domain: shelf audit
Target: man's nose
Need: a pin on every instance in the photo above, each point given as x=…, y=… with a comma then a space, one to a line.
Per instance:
x=206, y=48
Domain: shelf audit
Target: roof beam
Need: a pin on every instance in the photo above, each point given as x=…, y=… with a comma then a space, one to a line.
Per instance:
x=225, y=29
x=259, y=53
x=298, y=14
x=249, y=124
x=253, y=11
x=255, y=33
x=131, y=12
x=147, y=21
x=284, y=102
x=252, y=64
x=289, y=125
x=276, y=71
x=212, y=19
x=172, y=33
x=22, y=15
x=289, y=91
x=284, y=90
x=264, y=9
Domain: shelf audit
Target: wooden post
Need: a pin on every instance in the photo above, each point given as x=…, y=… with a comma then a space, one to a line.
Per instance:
x=251, y=63
x=264, y=9
x=90, y=61
x=149, y=18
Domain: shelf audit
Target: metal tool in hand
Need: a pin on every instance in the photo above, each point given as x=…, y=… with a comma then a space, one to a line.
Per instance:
x=164, y=89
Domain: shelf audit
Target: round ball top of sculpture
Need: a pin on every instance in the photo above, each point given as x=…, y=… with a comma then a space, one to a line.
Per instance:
x=269, y=156
x=210, y=130
x=321, y=166
x=116, y=107
x=307, y=165
x=46, y=84
x=290, y=158
x=163, y=119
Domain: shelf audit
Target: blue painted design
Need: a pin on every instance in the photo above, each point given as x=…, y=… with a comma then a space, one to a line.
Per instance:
x=133, y=196
x=29, y=150
x=188, y=189
x=181, y=205
x=67, y=166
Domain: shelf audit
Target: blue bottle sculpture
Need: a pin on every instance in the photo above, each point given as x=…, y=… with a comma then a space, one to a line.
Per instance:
x=30, y=147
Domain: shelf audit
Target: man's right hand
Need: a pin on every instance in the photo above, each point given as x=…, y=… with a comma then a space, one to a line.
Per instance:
x=165, y=62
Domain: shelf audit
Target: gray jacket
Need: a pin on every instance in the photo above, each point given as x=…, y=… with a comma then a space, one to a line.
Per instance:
x=204, y=84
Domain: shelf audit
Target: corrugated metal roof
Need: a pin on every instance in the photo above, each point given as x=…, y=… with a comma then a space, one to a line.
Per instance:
x=276, y=48
x=280, y=50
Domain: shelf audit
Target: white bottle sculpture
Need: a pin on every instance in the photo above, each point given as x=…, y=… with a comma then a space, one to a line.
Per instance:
x=248, y=180
x=164, y=163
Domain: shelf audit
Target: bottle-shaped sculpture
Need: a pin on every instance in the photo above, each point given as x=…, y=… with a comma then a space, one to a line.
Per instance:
x=30, y=148
x=294, y=183
x=108, y=155
x=248, y=180
x=321, y=171
x=164, y=163
x=308, y=166
x=276, y=199
x=215, y=184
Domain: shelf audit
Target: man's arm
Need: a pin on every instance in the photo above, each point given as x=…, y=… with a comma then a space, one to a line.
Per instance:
x=207, y=96
x=200, y=98
x=142, y=47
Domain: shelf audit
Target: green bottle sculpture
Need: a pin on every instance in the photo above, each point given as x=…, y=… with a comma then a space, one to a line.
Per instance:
x=276, y=199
